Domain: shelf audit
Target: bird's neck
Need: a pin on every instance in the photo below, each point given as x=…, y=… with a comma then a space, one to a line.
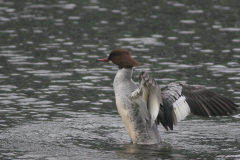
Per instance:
x=124, y=74
x=123, y=84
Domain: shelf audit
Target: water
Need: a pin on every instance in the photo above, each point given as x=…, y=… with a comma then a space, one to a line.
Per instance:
x=57, y=102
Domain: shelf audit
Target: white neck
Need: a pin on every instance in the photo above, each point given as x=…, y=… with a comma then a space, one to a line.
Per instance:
x=124, y=73
x=123, y=83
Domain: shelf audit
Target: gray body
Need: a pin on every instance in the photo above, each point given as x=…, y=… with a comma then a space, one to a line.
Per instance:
x=139, y=131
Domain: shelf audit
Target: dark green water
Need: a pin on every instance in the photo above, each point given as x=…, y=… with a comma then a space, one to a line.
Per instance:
x=56, y=102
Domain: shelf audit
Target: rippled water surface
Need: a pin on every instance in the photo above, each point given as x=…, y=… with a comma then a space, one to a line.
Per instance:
x=57, y=102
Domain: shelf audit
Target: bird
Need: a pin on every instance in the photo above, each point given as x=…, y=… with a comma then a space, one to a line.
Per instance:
x=144, y=106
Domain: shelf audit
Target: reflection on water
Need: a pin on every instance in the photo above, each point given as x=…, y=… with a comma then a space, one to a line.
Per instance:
x=58, y=103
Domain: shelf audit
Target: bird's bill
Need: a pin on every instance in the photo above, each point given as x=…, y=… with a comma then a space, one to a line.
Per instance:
x=103, y=60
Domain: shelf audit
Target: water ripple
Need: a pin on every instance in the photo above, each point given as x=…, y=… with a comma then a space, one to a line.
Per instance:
x=230, y=29
x=195, y=11
x=186, y=32
x=188, y=21
x=223, y=69
x=64, y=6
x=46, y=73
x=147, y=40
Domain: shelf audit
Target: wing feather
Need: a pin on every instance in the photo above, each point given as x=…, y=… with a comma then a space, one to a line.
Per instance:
x=148, y=97
x=179, y=100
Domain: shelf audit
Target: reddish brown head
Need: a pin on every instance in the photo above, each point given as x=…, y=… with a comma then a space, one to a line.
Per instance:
x=122, y=58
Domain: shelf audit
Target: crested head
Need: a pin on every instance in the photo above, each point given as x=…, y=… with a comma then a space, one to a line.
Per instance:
x=122, y=58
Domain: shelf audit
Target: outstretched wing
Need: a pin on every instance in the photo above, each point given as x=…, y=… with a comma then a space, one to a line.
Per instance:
x=179, y=100
x=148, y=97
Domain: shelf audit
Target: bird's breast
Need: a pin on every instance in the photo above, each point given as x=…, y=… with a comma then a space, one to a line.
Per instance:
x=124, y=111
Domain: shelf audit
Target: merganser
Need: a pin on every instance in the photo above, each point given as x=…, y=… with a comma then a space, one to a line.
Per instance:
x=142, y=108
